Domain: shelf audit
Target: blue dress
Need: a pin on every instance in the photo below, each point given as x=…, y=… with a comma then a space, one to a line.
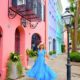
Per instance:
x=40, y=70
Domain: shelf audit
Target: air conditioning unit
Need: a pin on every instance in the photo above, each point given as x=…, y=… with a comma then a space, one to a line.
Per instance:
x=16, y=3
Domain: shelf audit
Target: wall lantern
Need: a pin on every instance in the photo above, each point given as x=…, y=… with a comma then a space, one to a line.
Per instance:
x=23, y=22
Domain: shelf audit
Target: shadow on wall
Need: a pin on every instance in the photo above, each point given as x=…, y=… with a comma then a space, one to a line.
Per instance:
x=0, y=48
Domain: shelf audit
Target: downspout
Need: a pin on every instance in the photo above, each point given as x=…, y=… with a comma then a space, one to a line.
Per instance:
x=44, y=17
x=46, y=23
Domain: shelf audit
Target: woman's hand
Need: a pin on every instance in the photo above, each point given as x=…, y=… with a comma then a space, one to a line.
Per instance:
x=47, y=56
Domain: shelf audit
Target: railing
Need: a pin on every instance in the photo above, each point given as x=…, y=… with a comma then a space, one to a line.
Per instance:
x=29, y=9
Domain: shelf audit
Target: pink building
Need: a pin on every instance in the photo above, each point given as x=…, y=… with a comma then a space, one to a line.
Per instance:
x=16, y=37
x=65, y=39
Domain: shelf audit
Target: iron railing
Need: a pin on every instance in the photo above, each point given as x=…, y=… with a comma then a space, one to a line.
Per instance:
x=29, y=9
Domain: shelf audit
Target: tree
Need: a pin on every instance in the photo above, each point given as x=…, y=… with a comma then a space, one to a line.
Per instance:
x=75, y=32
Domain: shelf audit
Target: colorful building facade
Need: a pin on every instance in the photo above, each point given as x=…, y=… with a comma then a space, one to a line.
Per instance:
x=59, y=29
x=51, y=25
x=55, y=26
x=14, y=37
x=17, y=37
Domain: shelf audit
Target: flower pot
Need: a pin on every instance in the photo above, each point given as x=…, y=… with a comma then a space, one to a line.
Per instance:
x=14, y=71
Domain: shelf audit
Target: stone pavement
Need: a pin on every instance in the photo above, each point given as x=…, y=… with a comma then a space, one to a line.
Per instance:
x=59, y=66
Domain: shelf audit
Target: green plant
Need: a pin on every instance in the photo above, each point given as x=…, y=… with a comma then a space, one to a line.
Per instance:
x=75, y=56
x=52, y=52
x=32, y=53
x=19, y=68
x=63, y=48
x=14, y=59
x=35, y=53
x=8, y=68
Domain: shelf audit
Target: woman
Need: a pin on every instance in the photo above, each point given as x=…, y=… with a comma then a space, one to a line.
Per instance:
x=40, y=70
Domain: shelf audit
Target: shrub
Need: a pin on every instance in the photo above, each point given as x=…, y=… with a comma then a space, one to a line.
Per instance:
x=35, y=53
x=75, y=56
x=63, y=48
x=32, y=53
x=14, y=57
x=52, y=52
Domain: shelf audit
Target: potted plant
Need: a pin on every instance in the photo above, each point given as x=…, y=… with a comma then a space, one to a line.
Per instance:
x=14, y=66
x=52, y=52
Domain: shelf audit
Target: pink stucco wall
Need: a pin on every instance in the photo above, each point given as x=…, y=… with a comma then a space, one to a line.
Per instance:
x=65, y=40
x=9, y=27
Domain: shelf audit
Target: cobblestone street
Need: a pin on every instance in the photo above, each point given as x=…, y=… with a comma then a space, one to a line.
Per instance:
x=59, y=66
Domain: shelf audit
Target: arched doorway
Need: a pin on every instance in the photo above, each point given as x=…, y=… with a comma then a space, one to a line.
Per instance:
x=1, y=36
x=19, y=40
x=36, y=39
x=20, y=44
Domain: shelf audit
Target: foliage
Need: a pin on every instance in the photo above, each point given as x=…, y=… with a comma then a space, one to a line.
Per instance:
x=72, y=21
x=19, y=68
x=52, y=52
x=71, y=1
x=73, y=8
x=32, y=53
x=73, y=38
x=75, y=56
x=63, y=48
x=9, y=69
x=14, y=59
x=27, y=51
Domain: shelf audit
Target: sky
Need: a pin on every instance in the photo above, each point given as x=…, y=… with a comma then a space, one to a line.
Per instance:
x=65, y=4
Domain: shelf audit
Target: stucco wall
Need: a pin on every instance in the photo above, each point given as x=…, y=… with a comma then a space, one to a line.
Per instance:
x=9, y=27
x=51, y=24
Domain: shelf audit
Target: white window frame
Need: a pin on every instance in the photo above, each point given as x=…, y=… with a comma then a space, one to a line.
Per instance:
x=21, y=3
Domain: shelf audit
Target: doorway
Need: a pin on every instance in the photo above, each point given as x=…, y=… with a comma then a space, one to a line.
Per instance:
x=36, y=39
x=17, y=41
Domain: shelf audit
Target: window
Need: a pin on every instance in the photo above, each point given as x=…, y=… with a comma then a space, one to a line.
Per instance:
x=54, y=44
x=50, y=12
x=21, y=2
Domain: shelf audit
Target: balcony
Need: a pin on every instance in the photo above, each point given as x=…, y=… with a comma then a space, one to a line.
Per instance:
x=29, y=9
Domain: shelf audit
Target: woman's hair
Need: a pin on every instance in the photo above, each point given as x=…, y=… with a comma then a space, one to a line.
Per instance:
x=40, y=45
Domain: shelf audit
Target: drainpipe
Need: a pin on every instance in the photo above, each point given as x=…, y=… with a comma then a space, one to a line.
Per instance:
x=43, y=16
x=46, y=22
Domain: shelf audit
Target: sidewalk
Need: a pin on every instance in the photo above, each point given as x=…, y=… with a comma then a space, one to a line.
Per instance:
x=59, y=66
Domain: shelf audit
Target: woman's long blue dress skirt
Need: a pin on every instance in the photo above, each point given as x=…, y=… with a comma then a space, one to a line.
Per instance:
x=40, y=70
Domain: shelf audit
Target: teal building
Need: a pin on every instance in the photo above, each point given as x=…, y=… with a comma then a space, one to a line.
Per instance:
x=55, y=26
x=59, y=27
